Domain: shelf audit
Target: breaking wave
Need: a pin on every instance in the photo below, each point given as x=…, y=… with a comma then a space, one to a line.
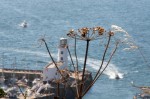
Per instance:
x=111, y=71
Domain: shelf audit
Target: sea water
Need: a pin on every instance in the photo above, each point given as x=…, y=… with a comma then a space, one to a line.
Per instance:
x=52, y=19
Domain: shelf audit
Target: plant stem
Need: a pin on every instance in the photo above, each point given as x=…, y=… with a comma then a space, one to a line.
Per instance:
x=103, y=57
x=51, y=57
x=83, y=72
x=101, y=64
x=75, y=51
x=102, y=70
x=71, y=57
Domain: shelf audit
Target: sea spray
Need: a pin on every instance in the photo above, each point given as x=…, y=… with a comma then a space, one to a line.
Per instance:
x=111, y=71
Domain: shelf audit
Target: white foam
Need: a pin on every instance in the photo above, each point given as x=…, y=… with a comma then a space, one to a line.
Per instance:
x=111, y=71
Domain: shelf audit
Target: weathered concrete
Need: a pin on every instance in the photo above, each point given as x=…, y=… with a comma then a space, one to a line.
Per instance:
x=19, y=73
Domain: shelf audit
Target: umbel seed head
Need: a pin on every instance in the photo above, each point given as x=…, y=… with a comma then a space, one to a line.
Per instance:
x=86, y=33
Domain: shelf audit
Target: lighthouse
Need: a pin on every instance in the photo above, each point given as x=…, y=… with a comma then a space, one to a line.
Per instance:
x=50, y=71
x=62, y=52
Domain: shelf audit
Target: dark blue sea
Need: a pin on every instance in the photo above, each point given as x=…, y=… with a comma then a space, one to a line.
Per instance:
x=52, y=19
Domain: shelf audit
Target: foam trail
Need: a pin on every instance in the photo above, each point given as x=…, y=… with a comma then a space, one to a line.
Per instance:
x=112, y=71
x=38, y=53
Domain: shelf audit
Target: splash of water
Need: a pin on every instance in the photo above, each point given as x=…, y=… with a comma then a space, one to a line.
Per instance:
x=111, y=71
